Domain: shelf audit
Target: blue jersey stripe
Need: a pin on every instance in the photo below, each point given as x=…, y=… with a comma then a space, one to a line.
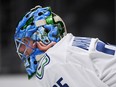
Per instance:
x=101, y=48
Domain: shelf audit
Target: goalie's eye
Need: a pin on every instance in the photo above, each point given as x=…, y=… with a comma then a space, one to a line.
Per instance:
x=25, y=40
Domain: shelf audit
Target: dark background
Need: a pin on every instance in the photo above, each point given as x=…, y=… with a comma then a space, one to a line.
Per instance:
x=91, y=18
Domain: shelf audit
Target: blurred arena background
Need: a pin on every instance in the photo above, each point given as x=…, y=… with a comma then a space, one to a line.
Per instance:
x=91, y=18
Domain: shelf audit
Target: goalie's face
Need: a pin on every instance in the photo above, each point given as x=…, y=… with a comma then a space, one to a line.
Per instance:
x=25, y=47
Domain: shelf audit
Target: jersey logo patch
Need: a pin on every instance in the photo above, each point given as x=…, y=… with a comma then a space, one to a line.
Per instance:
x=82, y=42
x=41, y=65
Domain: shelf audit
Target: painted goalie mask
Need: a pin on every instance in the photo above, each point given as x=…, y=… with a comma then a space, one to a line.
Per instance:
x=39, y=30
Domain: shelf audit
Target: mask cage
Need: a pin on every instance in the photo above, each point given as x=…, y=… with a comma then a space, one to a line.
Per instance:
x=22, y=55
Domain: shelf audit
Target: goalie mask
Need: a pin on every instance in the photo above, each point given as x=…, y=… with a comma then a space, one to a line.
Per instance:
x=39, y=30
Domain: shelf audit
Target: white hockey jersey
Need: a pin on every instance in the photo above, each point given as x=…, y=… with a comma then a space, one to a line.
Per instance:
x=77, y=62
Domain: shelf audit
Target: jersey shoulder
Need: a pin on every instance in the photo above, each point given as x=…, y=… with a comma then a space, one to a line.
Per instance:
x=94, y=45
